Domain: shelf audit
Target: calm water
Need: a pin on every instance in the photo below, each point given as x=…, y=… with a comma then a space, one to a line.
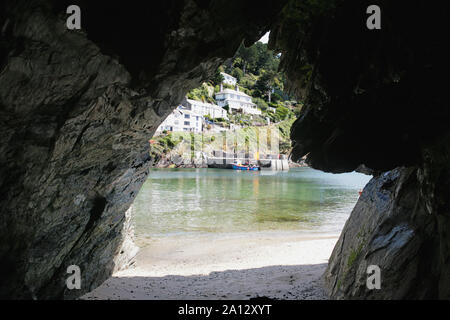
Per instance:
x=193, y=201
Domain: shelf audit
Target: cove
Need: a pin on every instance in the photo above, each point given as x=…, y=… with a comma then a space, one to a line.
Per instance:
x=202, y=201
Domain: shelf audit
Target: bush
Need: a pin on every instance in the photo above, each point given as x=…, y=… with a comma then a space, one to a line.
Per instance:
x=282, y=112
x=237, y=73
x=260, y=103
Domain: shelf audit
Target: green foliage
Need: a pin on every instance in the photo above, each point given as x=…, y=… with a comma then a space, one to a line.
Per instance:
x=256, y=71
x=237, y=73
x=218, y=78
x=282, y=112
x=260, y=103
x=255, y=58
x=203, y=93
x=167, y=141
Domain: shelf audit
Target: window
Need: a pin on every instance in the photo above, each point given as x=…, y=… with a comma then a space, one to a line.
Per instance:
x=187, y=123
x=186, y=116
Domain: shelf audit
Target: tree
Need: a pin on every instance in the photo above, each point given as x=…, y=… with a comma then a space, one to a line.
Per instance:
x=282, y=112
x=248, y=56
x=237, y=73
x=218, y=78
x=260, y=103
x=265, y=83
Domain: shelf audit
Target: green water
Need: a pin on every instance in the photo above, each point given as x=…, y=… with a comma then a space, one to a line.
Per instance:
x=194, y=201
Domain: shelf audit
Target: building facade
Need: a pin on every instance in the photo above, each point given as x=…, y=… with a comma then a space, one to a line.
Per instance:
x=228, y=79
x=182, y=119
x=206, y=109
x=237, y=101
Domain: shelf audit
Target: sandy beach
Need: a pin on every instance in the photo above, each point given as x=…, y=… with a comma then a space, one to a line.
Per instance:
x=278, y=265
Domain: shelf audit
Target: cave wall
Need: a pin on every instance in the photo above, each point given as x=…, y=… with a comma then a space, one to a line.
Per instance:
x=400, y=223
x=377, y=99
x=77, y=109
x=373, y=97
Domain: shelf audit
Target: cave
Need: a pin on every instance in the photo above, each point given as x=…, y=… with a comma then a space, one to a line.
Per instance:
x=77, y=105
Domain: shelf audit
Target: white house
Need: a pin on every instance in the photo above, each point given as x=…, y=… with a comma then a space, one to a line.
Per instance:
x=203, y=109
x=237, y=101
x=182, y=119
x=228, y=79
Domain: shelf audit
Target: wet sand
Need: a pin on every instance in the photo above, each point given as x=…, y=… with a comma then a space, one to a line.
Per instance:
x=278, y=265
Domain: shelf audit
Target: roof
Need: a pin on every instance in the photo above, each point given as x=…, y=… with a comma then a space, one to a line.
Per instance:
x=239, y=93
x=228, y=75
x=215, y=106
x=187, y=111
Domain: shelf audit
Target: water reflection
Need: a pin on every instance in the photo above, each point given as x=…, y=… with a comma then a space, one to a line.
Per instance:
x=212, y=200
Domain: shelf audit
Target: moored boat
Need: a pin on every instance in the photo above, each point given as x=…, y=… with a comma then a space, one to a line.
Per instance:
x=237, y=166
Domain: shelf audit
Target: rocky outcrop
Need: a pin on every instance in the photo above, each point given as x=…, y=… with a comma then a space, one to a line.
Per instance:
x=373, y=97
x=77, y=109
x=376, y=100
x=391, y=228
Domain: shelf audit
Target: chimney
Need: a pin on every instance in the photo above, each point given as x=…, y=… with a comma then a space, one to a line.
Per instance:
x=221, y=86
x=236, y=87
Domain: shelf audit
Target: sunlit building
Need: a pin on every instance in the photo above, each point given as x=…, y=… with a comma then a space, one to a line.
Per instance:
x=237, y=101
x=206, y=109
x=228, y=79
x=182, y=119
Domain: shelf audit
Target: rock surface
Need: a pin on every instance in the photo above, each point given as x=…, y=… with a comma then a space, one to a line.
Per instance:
x=376, y=100
x=373, y=97
x=77, y=109
x=389, y=227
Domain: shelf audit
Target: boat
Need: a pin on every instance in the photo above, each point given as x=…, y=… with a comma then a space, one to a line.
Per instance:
x=238, y=166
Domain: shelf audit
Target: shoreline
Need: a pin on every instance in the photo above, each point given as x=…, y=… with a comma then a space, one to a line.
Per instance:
x=278, y=265
x=164, y=164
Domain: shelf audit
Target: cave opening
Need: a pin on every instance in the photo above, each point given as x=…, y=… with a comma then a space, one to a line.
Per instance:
x=77, y=105
x=206, y=231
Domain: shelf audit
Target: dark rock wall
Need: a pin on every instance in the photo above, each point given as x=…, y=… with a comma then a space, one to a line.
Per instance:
x=77, y=109
x=390, y=227
x=374, y=97
x=377, y=99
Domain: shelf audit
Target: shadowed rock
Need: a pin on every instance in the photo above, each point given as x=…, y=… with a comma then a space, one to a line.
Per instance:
x=78, y=107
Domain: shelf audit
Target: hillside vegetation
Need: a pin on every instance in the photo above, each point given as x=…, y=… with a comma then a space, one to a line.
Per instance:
x=256, y=71
x=272, y=139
